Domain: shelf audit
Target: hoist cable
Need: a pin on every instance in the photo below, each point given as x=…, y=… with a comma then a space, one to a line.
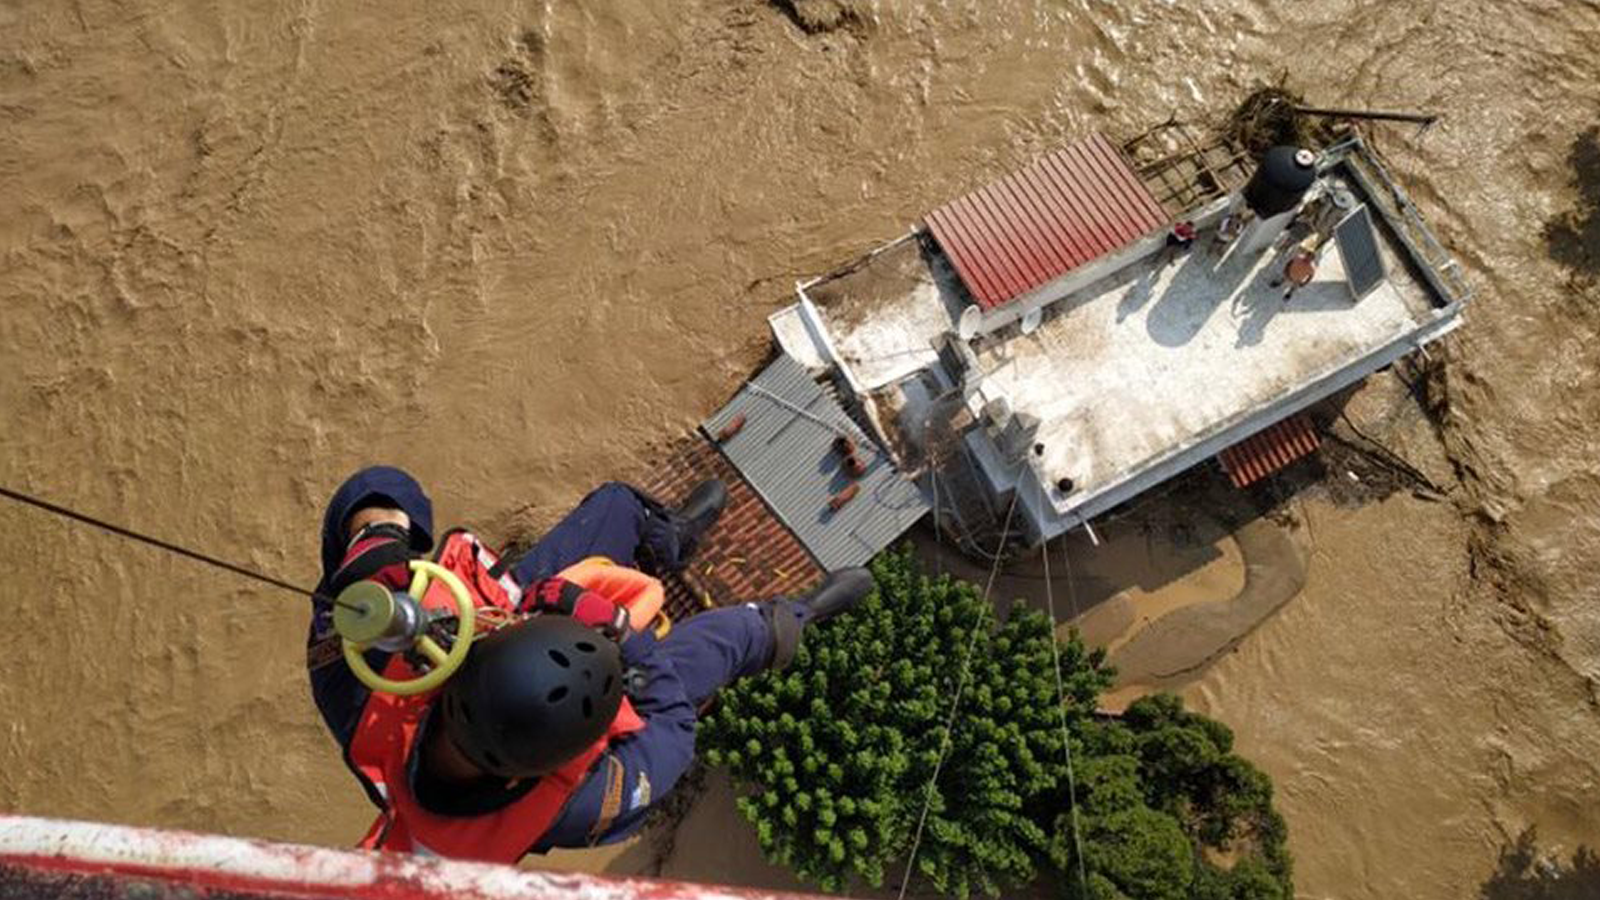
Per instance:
x=169, y=547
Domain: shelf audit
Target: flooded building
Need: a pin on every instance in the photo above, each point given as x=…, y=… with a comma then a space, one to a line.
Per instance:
x=1055, y=343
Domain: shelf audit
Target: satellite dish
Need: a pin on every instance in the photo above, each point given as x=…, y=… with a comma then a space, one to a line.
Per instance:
x=967, y=325
x=1031, y=320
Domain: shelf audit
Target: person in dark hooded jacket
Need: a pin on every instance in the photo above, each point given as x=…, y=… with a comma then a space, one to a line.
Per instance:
x=380, y=518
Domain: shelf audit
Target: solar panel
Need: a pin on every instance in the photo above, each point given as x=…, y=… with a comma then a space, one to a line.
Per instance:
x=1358, y=246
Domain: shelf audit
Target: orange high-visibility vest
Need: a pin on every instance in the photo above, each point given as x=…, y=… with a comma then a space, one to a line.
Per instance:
x=387, y=730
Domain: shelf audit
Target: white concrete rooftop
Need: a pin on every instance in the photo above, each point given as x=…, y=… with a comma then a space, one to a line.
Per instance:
x=883, y=318
x=1153, y=359
x=1164, y=353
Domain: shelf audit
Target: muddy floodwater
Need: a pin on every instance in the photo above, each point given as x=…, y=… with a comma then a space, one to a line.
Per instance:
x=514, y=246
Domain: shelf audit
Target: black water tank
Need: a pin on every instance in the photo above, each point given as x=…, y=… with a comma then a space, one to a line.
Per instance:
x=1284, y=176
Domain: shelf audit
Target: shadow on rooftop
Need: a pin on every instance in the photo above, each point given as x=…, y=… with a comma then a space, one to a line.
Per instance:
x=1203, y=281
x=1263, y=303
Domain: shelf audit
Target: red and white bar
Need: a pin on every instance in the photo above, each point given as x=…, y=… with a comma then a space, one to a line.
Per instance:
x=126, y=861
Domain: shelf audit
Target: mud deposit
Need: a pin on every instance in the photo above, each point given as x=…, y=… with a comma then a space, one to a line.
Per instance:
x=512, y=246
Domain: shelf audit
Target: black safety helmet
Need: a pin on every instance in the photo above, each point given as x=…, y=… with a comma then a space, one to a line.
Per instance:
x=532, y=696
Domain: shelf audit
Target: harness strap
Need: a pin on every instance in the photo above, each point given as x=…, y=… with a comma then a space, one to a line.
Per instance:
x=499, y=569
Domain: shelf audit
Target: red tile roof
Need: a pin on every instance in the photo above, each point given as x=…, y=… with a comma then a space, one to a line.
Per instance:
x=1033, y=226
x=1269, y=450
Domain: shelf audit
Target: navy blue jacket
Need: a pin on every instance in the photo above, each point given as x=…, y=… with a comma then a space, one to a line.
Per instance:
x=612, y=522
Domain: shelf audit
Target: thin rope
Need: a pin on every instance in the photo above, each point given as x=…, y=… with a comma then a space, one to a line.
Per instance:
x=170, y=547
x=1061, y=706
x=797, y=409
x=938, y=521
x=955, y=705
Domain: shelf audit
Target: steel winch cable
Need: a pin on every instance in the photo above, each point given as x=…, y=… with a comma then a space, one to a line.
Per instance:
x=1061, y=695
x=223, y=564
x=1061, y=698
x=945, y=740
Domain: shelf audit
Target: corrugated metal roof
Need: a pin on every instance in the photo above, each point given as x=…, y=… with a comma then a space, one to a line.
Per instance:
x=1031, y=227
x=785, y=450
x=1269, y=450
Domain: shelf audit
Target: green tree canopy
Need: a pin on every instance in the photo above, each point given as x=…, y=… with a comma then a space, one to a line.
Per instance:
x=837, y=757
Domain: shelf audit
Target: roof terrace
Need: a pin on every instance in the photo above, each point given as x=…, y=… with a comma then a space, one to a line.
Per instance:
x=1169, y=351
x=1158, y=364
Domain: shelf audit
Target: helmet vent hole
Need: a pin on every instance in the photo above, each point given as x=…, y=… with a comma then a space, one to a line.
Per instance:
x=491, y=759
x=560, y=658
x=584, y=646
x=610, y=681
x=588, y=708
x=556, y=695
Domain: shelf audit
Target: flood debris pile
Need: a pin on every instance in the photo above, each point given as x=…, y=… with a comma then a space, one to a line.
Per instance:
x=822, y=16
x=1572, y=236
x=836, y=755
x=1268, y=117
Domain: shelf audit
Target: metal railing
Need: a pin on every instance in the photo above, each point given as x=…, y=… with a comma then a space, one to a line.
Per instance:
x=1395, y=205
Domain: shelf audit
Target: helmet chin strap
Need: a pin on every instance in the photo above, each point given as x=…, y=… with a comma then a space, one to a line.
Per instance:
x=447, y=761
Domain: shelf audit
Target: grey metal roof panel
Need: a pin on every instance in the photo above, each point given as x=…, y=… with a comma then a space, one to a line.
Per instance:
x=785, y=450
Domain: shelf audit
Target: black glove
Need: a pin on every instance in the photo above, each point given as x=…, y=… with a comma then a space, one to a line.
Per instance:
x=379, y=552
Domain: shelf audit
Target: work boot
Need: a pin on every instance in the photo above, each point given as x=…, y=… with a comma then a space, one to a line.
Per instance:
x=839, y=592
x=671, y=535
x=697, y=513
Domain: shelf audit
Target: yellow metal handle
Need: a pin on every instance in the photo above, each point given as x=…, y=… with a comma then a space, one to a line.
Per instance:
x=662, y=625
x=444, y=663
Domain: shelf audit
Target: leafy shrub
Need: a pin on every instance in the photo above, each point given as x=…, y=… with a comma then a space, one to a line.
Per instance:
x=838, y=751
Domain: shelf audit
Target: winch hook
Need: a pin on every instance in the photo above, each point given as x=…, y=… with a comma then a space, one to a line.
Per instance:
x=370, y=616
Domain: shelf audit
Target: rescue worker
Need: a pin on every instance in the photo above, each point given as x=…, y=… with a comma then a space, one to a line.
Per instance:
x=1299, y=269
x=1180, y=238
x=562, y=728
